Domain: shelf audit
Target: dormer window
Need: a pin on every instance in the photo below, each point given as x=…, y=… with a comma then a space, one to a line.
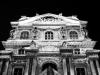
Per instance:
x=49, y=35
x=24, y=35
x=73, y=35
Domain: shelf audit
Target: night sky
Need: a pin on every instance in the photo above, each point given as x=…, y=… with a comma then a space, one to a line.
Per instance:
x=13, y=10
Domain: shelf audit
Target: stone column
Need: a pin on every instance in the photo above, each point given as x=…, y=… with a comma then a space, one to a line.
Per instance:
x=34, y=67
x=89, y=68
x=0, y=66
x=64, y=67
x=6, y=68
x=98, y=66
x=92, y=67
x=9, y=69
x=71, y=67
x=30, y=66
x=27, y=67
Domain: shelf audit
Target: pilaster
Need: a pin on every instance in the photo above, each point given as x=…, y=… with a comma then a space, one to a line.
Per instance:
x=30, y=66
x=64, y=67
x=9, y=69
x=6, y=68
x=89, y=72
x=92, y=67
x=27, y=67
x=0, y=66
x=34, y=67
x=71, y=67
x=98, y=66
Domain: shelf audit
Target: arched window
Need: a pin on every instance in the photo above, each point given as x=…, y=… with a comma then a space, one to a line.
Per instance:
x=73, y=35
x=49, y=35
x=24, y=35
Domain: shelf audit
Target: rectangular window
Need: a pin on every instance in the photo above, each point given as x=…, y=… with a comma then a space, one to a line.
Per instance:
x=21, y=51
x=18, y=71
x=80, y=71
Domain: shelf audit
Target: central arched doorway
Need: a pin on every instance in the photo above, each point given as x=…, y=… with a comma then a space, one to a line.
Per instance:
x=49, y=67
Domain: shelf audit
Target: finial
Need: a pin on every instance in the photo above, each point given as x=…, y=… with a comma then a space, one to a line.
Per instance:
x=74, y=16
x=60, y=14
x=37, y=14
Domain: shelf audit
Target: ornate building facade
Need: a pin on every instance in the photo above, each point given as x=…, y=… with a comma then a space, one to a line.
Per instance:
x=49, y=44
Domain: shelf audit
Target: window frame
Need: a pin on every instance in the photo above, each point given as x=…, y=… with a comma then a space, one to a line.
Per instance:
x=49, y=36
x=74, y=38
x=24, y=37
x=18, y=67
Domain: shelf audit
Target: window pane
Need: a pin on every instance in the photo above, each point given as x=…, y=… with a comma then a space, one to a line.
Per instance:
x=49, y=35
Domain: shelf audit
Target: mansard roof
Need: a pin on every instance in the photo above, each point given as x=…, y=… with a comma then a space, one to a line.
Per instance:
x=48, y=19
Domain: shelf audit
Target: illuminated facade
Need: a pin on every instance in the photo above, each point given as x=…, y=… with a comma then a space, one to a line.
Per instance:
x=49, y=44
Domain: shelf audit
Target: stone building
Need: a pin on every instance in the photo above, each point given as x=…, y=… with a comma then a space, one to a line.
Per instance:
x=49, y=44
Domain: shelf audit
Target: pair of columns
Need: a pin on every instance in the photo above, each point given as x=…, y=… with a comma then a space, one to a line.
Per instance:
x=4, y=72
x=30, y=66
x=93, y=69
x=65, y=65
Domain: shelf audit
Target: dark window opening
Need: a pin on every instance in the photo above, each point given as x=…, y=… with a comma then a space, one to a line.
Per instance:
x=21, y=51
x=63, y=32
x=49, y=35
x=18, y=71
x=80, y=71
x=76, y=51
x=48, y=65
x=73, y=35
x=24, y=35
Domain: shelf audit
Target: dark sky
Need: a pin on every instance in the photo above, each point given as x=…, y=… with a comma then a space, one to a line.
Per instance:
x=13, y=10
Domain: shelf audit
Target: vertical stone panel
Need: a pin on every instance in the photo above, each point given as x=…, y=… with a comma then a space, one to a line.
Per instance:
x=71, y=67
x=92, y=68
x=6, y=68
x=38, y=69
x=3, y=67
x=9, y=72
x=64, y=67
x=30, y=66
x=0, y=66
x=68, y=66
x=27, y=67
x=34, y=67
x=98, y=66
x=89, y=68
